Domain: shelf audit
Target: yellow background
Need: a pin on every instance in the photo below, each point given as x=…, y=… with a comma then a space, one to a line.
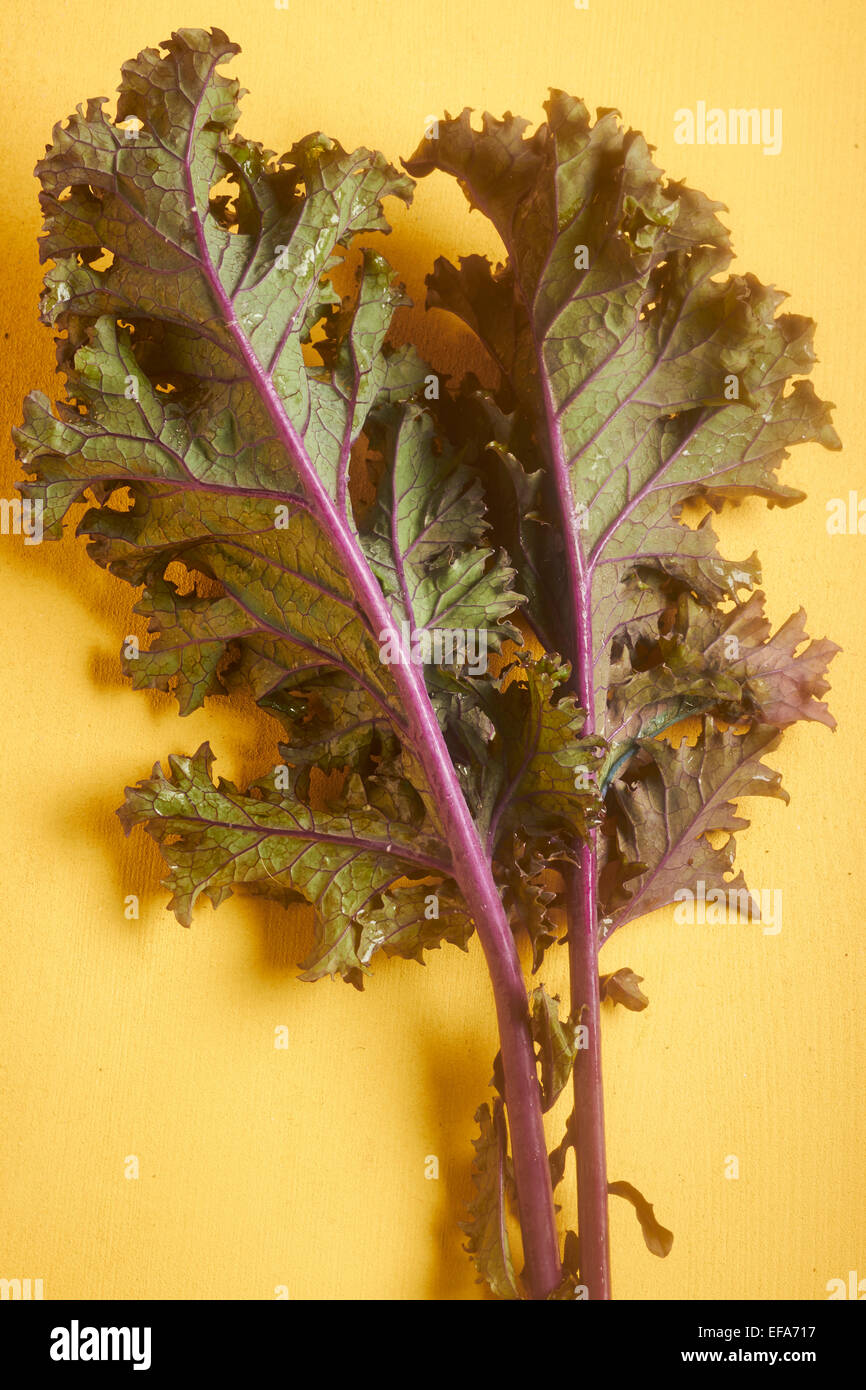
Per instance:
x=305, y=1167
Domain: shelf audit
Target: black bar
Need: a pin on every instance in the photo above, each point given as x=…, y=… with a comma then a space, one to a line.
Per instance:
x=238, y=1337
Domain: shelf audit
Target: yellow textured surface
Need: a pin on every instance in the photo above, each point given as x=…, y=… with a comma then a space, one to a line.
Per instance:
x=305, y=1167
